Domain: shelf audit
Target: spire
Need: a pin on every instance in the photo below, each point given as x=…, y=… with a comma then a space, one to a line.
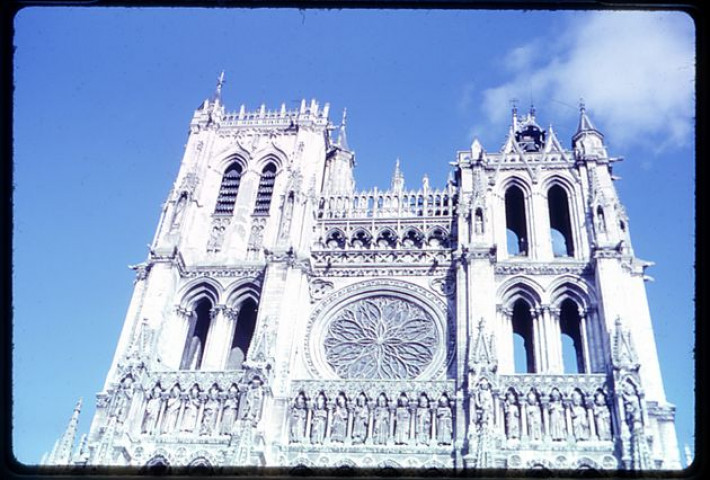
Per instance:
x=514, y=102
x=66, y=441
x=218, y=90
x=397, y=184
x=585, y=124
x=342, y=138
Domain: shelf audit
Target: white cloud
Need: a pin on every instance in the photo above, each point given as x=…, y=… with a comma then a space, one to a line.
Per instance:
x=635, y=71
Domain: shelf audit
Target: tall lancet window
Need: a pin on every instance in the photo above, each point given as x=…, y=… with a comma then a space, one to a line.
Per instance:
x=516, y=224
x=560, y=225
x=572, y=352
x=228, y=190
x=243, y=333
x=266, y=190
x=197, y=336
x=523, y=352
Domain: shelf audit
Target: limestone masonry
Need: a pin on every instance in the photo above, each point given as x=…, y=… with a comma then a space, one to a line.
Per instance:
x=284, y=318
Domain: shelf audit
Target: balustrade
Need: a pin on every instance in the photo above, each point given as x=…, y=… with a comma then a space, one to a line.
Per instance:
x=383, y=204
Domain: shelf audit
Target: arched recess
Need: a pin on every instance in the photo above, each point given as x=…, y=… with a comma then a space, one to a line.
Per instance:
x=516, y=221
x=577, y=327
x=558, y=203
x=520, y=299
x=386, y=238
x=244, y=304
x=266, y=189
x=335, y=239
x=157, y=465
x=361, y=238
x=229, y=188
x=197, y=304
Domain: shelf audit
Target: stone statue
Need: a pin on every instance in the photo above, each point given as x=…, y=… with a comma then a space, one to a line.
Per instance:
x=298, y=419
x=381, y=421
x=602, y=416
x=423, y=421
x=179, y=211
x=444, y=422
x=339, y=422
x=578, y=413
x=557, y=416
x=229, y=411
x=123, y=399
x=209, y=413
x=632, y=408
x=533, y=417
x=478, y=222
x=319, y=421
x=512, y=416
x=484, y=404
x=361, y=419
x=254, y=399
x=152, y=410
x=402, y=418
x=172, y=410
x=192, y=408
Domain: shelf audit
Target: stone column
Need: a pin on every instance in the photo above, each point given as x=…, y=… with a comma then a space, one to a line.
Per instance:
x=539, y=347
x=218, y=340
x=555, y=345
x=506, y=344
x=584, y=339
x=179, y=339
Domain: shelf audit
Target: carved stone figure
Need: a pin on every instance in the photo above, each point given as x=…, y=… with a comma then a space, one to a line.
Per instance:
x=557, y=416
x=484, y=404
x=209, y=413
x=361, y=419
x=253, y=401
x=402, y=418
x=444, y=422
x=602, y=416
x=381, y=421
x=229, y=411
x=533, y=417
x=632, y=408
x=339, y=422
x=179, y=211
x=423, y=421
x=152, y=410
x=319, y=421
x=512, y=416
x=172, y=410
x=123, y=399
x=298, y=419
x=578, y=413
x=192, y=408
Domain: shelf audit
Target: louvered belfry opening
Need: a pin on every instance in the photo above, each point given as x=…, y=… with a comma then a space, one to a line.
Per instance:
x=266, y=190
x=228, y=190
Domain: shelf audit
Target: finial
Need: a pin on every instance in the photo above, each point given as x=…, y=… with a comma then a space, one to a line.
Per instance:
x=581, y=105
x=480, y=323
x=220, y=82
x=532, y=110
x=514, y=103
x=345, y=116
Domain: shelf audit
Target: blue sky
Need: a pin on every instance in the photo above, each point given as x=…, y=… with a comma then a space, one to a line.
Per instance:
x=103, y=99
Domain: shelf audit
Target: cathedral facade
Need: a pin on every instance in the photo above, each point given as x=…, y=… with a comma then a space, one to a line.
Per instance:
x=285, y=318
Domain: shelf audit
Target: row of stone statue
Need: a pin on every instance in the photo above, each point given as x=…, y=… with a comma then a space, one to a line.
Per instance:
x=196, y=412
x=368, y=421
x=546, y=417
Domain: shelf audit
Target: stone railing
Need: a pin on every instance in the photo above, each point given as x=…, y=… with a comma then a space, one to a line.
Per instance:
x=379, y=413
x=551, y=409
x=282, y=117
x=384, y=204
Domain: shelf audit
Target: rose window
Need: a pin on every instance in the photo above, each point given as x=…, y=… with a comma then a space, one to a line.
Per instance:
x=380, y=338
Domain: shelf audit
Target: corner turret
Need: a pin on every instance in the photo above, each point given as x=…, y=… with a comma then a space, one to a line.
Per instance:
x=587, y=142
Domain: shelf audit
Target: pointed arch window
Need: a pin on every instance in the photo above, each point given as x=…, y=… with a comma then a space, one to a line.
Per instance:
x=571, y=333
x=228, y=190
x=516, y=222
x=266, y=190
x=194, y=349
x=560, y=224
x=523, y=350
x=243, y=333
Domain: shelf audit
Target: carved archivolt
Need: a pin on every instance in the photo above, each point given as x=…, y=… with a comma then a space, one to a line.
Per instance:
x=384, y=329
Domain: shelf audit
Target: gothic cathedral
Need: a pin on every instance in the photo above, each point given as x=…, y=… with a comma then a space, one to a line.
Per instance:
x=284, y=318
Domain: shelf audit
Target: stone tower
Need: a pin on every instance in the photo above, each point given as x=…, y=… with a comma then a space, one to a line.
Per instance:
x=284, y=318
